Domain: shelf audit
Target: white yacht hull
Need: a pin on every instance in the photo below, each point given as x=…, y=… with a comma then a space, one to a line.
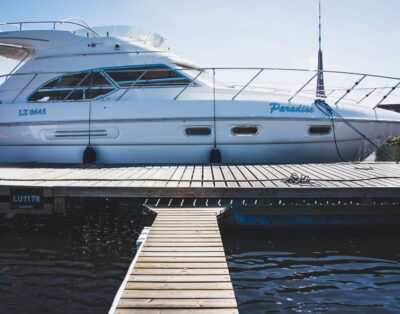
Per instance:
x=160, y=141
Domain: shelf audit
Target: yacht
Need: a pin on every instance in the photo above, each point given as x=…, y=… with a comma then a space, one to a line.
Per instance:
x=119, y=95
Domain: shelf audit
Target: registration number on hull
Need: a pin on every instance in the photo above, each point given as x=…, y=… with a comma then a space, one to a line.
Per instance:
x=32, y=112
x=26, y=198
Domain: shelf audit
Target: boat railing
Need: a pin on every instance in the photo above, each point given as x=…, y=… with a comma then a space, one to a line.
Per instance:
x=337, y=93
x=53, y=24
x=364, y=88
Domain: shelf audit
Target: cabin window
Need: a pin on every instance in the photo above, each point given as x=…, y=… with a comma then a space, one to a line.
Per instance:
x=77, y=86
x=146, y=76
x=245, y=130
x=198, y=131
x=319, y=130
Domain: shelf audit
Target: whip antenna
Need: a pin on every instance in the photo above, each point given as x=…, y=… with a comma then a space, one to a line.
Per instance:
x=320, y=77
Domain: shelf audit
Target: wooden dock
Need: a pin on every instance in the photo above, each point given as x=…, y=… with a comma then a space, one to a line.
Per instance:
x=248, y=184
x=180, y=268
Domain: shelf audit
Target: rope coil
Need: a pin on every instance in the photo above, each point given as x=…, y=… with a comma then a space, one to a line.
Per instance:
x=298, y=179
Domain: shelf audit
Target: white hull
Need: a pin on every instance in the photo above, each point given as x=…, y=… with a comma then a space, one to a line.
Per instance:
x=137, y=142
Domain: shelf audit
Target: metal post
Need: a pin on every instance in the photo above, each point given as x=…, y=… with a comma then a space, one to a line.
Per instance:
x=349, y=90
x=384, y=97
x=301, y=88
x=176, y=97
x=248, y=83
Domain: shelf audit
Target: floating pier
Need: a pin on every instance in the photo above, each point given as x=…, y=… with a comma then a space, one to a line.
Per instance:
x=180, y=267
x=262, y=195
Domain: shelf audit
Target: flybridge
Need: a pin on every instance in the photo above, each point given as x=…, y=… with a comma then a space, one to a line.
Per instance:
x=125, y=32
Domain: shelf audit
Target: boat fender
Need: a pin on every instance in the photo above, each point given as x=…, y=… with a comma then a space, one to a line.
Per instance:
x=89, y=155
x=215, y=156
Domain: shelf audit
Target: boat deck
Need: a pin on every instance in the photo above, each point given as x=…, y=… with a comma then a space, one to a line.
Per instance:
x=180, y=267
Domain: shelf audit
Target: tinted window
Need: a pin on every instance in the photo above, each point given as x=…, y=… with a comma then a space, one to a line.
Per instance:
x=77, y=86
x=245, y=130
x=49, y=95
x=146, y=76
x=198, y=131
x=66, y=81
x=319, y=130
x=95, y=79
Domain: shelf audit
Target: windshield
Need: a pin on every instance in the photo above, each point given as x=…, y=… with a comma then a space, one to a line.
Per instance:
x=127, y=32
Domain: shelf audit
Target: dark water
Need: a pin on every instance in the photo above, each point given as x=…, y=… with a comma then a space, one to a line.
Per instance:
x=68, y=265
x=393, y=150
x=76, y=264
x=347, y=270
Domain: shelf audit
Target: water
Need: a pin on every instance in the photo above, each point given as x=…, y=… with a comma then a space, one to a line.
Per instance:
x=72, y=265
x=75, y=264
x=348, y=270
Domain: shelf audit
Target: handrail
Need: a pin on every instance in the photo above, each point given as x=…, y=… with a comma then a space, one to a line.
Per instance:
x=332, y=95
x=80, y=23
x=232, y=68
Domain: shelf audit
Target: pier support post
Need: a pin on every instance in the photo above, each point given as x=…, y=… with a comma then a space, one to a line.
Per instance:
x=59, y=205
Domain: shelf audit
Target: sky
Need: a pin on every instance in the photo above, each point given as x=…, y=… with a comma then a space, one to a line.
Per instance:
x=357, y=35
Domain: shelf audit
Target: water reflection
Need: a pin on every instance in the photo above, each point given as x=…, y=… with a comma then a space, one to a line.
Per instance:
x=393, y=150
x=65, y=265
x=315, y=271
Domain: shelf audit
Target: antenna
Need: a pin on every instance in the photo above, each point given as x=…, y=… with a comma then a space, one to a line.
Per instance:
x=320, y=93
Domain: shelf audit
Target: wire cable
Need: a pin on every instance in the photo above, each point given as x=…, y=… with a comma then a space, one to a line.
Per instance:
x=328, y=110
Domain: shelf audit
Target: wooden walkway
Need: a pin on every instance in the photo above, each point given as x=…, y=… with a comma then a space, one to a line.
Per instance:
x=378, y=179
x=180, y=268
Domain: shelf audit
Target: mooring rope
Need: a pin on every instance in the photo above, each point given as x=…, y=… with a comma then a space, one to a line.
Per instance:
x=329, y=111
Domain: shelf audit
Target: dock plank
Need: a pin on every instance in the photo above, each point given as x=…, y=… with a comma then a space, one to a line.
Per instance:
x=180, y=265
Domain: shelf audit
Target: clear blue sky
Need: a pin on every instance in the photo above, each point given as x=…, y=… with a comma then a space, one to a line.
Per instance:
x=358, y=35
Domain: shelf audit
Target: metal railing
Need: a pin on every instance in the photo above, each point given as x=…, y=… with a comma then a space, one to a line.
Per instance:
x=356, y=84
x=69, y=21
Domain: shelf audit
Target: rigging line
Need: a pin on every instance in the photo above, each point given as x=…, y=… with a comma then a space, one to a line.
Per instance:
x=334, y=138
x=330, y=111
x=90, y=103
x=215, y=120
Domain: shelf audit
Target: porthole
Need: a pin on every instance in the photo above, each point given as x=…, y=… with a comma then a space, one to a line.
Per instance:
x=198, y=131
x=245, y=130
x=319, y=130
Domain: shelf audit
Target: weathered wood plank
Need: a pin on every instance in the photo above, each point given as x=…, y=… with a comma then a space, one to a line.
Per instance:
x=180, y=271
x=197, y=176
x=183, y=254
x=177, y=311
x=178, y=303
x=181, y=265
x=184, y=243
x=178, y=294
x=175, y=259
x=180, y=278
x=183, y=249
x=179, y=285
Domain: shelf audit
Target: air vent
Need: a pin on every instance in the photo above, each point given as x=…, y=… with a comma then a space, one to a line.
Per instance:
x=77, y=134
x=80, y=133
x=319, y=130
